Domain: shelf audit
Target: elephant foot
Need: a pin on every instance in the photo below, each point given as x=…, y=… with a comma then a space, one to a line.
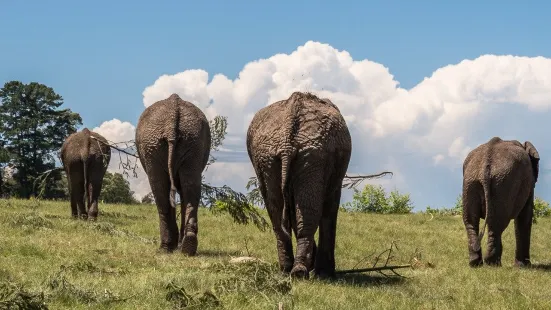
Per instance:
x=324, y=275
x=286, y=267
x=92, y=218
x=475, y=259
x=300, y=271
x=494, y=262
x=523, y=263
x=476, y=263
x=189, y=244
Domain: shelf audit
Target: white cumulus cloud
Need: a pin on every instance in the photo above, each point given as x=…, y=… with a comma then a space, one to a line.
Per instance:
x=422, y=134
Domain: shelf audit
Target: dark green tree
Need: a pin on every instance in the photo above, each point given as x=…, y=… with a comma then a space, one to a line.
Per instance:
x=32, y=129
x=116, y=189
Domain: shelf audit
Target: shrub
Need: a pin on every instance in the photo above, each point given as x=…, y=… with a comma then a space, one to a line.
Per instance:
x=457, y=208
x=373, y=199
x=541, y=209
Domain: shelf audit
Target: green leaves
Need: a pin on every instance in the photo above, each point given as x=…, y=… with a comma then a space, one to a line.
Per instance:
x=116, y=189
x=32, y=129
x=373, y=199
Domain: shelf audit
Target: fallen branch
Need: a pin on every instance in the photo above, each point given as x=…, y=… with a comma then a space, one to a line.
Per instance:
x=379, y=269
x=353, y=181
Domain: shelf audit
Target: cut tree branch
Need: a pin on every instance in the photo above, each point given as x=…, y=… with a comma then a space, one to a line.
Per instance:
x=379, y=269
x=353, y=181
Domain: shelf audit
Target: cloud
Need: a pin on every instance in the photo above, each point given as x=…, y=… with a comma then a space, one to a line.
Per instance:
x=422, y=134
x=118, y=131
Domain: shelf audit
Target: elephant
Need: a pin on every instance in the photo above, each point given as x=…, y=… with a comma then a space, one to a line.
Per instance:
x=173, y=141
x=499, y=178
x=300, y=149
x=85, y=156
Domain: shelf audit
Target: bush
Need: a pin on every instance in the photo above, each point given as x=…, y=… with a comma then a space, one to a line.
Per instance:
x=541, y=209
x=457, y=209
x=373, y=199
x=116, y=189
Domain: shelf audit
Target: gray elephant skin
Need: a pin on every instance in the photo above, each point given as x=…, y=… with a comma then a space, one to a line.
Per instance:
x=300, y=149
x=173, y=143
x=499, y=178
x=85, y=156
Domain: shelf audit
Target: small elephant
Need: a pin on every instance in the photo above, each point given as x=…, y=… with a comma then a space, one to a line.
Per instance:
x=499, y=178
x=173, y=141
x=85, y=156
x=300, y=149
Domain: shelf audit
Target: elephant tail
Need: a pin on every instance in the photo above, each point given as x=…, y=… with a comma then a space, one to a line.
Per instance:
x=287, y=204
x=172, y=196
x=486, y=187
x=86, y=131
x=291, y=128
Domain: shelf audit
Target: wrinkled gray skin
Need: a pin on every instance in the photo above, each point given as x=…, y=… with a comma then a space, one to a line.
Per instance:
x=85, y=161
x=498, y=184
x=300, y=149
x=173, y=142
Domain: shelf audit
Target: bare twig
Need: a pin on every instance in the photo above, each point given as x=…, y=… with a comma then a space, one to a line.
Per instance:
x=353, y=181
x=126, y=164
x=379, y=269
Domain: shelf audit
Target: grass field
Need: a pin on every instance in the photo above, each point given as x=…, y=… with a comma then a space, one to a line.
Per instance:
x=113, y=264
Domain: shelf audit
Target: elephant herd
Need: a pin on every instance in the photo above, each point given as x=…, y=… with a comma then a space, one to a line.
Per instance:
x=300, y=149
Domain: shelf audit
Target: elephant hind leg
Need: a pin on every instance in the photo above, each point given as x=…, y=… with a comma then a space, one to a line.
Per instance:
x=95, y=179
x=325, y=256
x=523, y=229
x=76, y=177
x=269, y=184
x=160, y=187
x=308, y=192
x=472, y=212
x=190, y=197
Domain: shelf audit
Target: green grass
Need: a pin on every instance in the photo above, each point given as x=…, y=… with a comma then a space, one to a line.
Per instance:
x=113, y=264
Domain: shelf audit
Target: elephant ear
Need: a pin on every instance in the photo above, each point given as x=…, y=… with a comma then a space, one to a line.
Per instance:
x=534, y=157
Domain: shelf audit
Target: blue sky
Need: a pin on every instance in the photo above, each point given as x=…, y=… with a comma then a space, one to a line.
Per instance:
x=101, y=55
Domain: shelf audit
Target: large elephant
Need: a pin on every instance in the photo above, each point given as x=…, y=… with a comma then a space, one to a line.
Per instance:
x=300, y=149
x=173, y=142
x=499, y=178
x=85, y=156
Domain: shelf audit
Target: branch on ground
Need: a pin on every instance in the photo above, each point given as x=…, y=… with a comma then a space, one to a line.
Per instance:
x=379, y=269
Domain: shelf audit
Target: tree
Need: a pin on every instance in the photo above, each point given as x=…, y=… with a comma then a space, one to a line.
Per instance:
x=32, y=128
x=148, y=199
x=116, y=189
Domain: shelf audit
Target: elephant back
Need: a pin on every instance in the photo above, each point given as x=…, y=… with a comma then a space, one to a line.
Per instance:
x=303, y=121
x=173, y=119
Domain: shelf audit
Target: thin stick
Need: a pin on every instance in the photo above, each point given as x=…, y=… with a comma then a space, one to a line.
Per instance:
x=372, y=269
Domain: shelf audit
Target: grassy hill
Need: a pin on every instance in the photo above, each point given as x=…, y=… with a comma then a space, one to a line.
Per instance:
x=113, y=264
